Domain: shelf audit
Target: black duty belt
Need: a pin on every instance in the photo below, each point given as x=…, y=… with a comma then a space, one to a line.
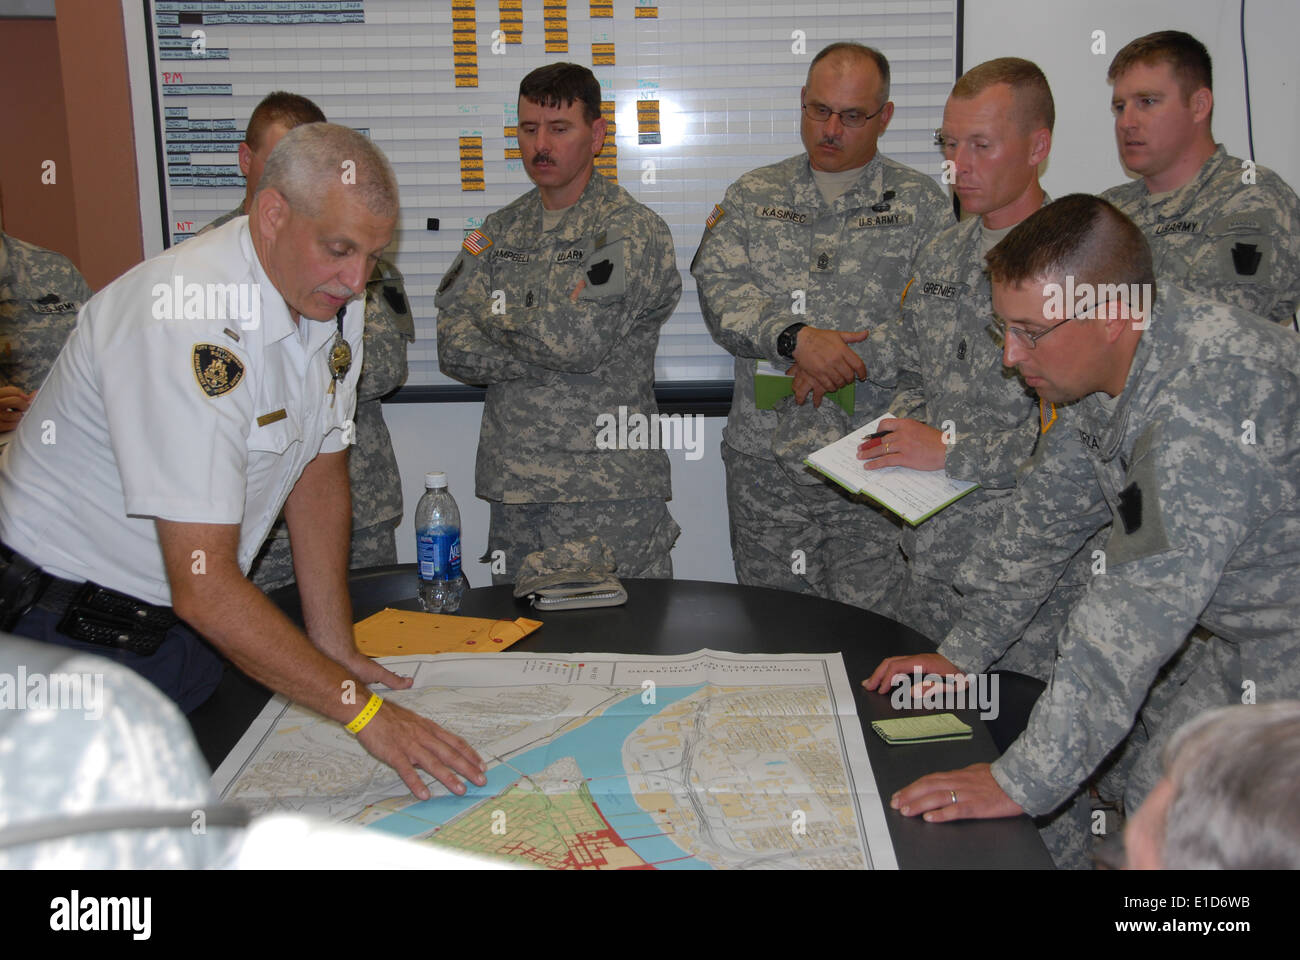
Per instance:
x=88, y=612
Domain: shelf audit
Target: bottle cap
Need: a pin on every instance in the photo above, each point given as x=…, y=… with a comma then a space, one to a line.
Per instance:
x=435, y=481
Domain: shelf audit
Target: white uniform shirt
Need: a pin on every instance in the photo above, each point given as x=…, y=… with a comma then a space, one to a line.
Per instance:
x=124, y=431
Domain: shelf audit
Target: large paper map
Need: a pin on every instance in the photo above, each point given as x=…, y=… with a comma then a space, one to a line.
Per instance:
x=703, y=761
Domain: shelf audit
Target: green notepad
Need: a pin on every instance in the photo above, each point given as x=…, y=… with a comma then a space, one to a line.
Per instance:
x=930, y=728
x=771, y=386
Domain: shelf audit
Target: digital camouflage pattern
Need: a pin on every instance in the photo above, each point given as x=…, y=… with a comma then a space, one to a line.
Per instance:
x=585, y=560
x=943, y=336
x=775, y=253
x=1201, y=519
x=1217, y=236
x=639, y=533
x=40, y=294
x=555, y=362
x=848, y=550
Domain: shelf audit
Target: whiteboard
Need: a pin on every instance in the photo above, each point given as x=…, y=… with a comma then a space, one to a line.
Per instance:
x=700, y=93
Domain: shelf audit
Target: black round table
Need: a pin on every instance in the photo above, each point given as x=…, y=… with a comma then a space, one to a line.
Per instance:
x=665, y=617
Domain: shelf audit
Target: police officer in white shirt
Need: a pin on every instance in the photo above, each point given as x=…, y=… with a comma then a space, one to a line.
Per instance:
x=200, y=393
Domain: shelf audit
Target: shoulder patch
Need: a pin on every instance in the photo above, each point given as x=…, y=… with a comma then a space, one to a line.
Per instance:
x=717, y=214
x=217, y=370
x=396, y=299
x=452, y=274
x=476, y=242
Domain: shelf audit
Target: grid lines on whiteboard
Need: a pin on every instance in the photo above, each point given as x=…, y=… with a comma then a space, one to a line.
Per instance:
x=701, y=93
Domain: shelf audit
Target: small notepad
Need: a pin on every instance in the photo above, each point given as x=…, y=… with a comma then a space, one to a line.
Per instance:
x=930, y=728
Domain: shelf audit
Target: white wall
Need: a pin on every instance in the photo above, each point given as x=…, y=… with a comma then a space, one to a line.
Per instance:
x=1058, y=36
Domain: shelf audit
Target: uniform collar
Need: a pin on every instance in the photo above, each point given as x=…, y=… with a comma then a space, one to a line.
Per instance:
x=868, y=189
x=276, y=322
x=1179, y=201
x=576, y=222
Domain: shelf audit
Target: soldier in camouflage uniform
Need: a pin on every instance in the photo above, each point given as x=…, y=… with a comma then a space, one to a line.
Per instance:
x=1186, y=442
x=942, y=335
x=798, y=260
x=40, y=294
x=555, y=305
x=1219, y=226
x=372, y=464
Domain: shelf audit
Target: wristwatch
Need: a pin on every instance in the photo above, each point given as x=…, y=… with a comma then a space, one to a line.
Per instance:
x=786, y=342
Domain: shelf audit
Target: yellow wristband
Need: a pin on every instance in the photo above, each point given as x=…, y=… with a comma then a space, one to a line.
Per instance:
x=367, y=714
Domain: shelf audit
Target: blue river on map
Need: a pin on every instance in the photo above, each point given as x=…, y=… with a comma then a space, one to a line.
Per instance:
x=597, y=748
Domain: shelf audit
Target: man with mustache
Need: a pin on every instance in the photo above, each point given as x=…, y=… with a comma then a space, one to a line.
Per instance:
x=795, y=264
x=1221, y=227
x=169, y=435
x=372, y=464
x=555, y=306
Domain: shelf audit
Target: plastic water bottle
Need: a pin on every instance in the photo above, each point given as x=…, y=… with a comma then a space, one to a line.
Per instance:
x=437, y=546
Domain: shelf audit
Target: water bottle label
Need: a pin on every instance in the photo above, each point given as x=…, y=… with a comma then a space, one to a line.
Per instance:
x=438, y=553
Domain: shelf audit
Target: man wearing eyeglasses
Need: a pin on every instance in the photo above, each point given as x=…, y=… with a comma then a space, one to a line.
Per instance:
x=1220, y=226
x=797, y=262
x=1182, y=433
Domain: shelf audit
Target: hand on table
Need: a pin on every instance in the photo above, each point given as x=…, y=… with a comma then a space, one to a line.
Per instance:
x=882, y=678
x=910, y=443
x=970, y=793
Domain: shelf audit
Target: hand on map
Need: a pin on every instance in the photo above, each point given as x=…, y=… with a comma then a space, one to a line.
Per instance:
x=978, y=796
x=882, y=678
x=910, y=443
x=371, y=671
x=406, y=740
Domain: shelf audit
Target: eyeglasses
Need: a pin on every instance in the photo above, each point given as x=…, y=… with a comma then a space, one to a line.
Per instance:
x=999, y=329
x=820, y=113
